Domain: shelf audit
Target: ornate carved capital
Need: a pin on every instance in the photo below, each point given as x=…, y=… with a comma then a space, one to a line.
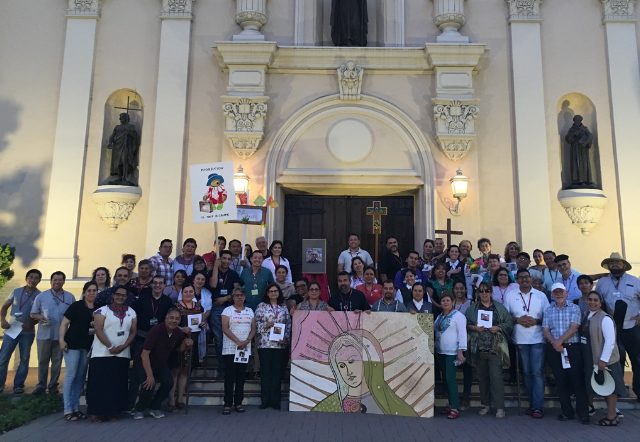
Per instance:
x=84, y=8
x=177, y=9
x=251, y=16
x=245, y=122
x=619, y=10
x=455, y=125
x=115, y=203
x=350, y=81
x=584, y=207
x=524, y=10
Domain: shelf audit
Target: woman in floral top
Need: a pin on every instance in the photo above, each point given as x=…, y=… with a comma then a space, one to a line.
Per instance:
x=271, y=311
x=188, y=305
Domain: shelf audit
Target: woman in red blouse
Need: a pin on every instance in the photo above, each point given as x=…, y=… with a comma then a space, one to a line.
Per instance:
x=371, y=290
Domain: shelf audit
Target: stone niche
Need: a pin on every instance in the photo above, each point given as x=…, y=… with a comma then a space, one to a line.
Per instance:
x=116, y=104
x=568, y=107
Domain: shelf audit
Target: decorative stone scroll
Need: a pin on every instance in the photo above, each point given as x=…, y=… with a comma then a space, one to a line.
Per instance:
x=524, y=10
x=251, y=16
x=84, y=8
x=245, y=122
x=455, y=127
x=619, y=10
x=177, y=9
x=350, y=80
x=584, y=207
x=115, y=203
x=449, y=16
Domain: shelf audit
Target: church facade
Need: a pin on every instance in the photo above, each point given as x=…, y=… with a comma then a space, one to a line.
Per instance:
x=490, y=88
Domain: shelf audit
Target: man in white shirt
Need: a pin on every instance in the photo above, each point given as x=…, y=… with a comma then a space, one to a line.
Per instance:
x=527, y=306
x=619, y=288
x=344, y=260
x=568, y=277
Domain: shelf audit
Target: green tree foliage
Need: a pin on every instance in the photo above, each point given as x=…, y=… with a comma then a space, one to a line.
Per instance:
x=7, y=255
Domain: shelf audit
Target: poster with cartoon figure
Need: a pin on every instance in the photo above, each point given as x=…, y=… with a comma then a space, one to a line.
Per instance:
x=212, y=193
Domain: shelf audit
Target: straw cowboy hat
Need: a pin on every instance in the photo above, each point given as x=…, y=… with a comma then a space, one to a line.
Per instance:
x=602, y=382
x=615, y=256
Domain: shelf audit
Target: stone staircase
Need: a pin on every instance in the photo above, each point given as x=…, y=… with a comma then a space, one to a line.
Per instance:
x=206, y=390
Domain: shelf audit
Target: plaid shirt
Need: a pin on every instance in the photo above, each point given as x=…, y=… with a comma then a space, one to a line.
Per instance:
x=558, y=320
x=162, y=268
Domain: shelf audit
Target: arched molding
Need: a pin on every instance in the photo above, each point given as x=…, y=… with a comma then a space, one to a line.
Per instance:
x=421, y=178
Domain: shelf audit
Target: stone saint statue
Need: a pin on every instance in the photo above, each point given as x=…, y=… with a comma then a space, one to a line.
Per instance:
x=579, y=138
x=124, y=157
x=349, y=22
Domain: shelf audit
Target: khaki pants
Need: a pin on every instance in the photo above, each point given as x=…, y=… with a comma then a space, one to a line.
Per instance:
x=48, y=351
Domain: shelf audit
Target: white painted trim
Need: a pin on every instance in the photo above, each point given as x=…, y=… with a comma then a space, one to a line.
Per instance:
x=278, y=155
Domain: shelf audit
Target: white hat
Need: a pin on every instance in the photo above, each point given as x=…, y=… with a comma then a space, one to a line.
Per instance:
x=558, y=285
x=607, y=386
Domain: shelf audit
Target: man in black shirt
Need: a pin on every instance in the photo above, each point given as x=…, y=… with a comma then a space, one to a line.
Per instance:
x=151, y=309
x=223, y=280
x=348, y=299
x=391, y=262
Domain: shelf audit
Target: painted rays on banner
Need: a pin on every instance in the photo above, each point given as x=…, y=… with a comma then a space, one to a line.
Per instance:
x=380, y=363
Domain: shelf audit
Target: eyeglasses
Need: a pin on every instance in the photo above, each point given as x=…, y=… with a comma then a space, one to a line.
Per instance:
x=314, y=290
x=301, y=286
x=484, y=291
x=273, y=291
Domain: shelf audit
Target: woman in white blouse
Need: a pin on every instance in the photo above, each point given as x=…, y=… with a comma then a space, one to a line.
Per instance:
x=276, y=259
x=450, y=342
x=115, y=329
x=600, y=352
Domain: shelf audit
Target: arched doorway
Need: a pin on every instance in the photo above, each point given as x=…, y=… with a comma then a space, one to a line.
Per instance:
x=363, y=148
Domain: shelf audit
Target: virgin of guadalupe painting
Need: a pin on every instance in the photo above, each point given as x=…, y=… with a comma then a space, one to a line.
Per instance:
x=380, y=363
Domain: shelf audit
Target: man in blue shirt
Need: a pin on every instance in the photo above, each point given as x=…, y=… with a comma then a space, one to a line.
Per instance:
x=255, y=279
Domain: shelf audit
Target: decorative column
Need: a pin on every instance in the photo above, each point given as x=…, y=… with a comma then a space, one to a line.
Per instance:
x=534, y=202
x=245, y=107
x=67, y=167
x=251, y=16
x=165, y=200
x=454, y=108
x=624, y=86
x=448, y=15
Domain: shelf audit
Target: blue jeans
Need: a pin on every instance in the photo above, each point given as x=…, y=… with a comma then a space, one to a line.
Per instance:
x=532, y=360
x=215, y=321
x=24, y=340
x=76, y=362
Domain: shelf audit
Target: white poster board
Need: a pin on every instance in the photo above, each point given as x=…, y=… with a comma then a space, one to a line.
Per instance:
x=213, y=196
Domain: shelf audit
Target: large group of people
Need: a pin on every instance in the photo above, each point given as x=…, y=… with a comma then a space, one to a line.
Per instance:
x=130, y=332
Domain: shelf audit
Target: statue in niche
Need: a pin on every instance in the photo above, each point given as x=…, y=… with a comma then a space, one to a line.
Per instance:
x=580, y=139
x=124, y=144
x=349, y=22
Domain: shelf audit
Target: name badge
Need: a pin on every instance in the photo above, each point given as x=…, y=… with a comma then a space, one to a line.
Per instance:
x=617, y=295
x=120, y=333
x=224, y=292
x=254, y=292
x=92, y=331
x=153, y=321
x=583, y=340
x=18, y=315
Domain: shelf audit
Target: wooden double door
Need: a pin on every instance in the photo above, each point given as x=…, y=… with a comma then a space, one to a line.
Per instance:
x=334, y=218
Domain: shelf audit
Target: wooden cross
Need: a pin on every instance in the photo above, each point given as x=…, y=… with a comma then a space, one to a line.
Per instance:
x=449, y=232
x=128, y=108
x=376, y=212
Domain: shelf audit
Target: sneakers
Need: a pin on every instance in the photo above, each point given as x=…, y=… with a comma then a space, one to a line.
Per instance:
x=500, y=413
x=537, y=414
x=18, y=390
x=38, y=391
x=484, y=410
x=464, y=404
x=138, y=415
x=156, y=413
x=529, y=412
x=619, y=415
x=592, y=410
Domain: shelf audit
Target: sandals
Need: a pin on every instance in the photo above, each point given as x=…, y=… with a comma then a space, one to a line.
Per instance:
x=239, y=409
x=80, y=415
x=226, y=410
x=606, y=422
x=70, y=417
x=453, y=414
x=172, y=408
x=181, y=405
x=484, y=410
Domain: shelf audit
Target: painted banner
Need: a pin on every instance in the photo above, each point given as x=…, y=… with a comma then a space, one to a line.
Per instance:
x=213, y=197
x=380, y=363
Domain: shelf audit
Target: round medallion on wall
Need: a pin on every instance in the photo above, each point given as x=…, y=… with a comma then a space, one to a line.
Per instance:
x=350, y=141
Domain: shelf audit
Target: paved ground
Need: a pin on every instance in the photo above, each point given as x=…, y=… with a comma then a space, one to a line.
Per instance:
x=206, y=423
